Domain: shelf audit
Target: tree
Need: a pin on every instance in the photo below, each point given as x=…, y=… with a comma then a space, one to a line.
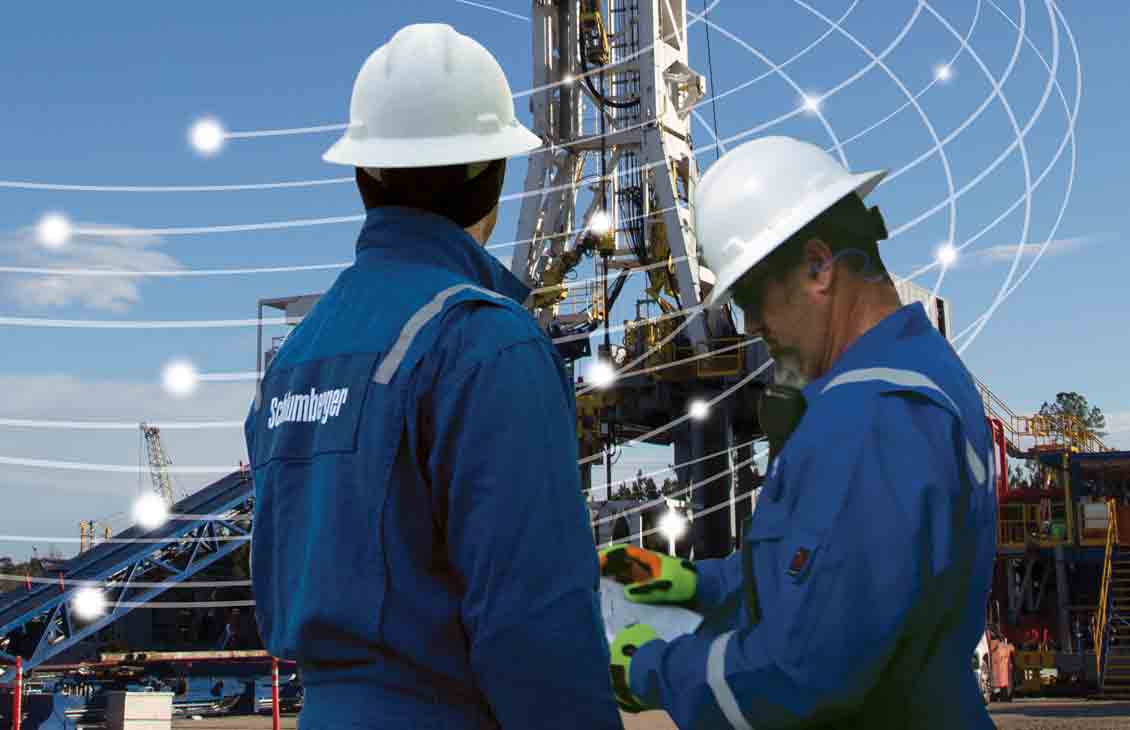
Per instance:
x=623, y=492
x=1074, y=404
x=640, y=489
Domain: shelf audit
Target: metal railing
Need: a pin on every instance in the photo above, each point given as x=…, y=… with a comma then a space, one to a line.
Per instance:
x=1020, y=525
x=1033, y=433
x=1106, y=598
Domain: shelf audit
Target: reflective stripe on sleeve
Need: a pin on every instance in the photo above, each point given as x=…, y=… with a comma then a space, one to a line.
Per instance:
x=975, y=464
x=716, y=678
x=412, y=327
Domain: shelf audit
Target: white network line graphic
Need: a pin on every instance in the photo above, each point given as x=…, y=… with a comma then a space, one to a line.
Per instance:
x=1069, y=138
x=294, y=223
x=666, y=470
x=720, y=144
x=17, y=184
x=1005, y=291
x=60, y=187
x=182, y=517
x=1054, y=13
x=950, y=201
x=107, y=231
x=171, y=273
x=81, y=583
x=195, y=425
x=757, y=456
x=500, y=11
x=33, y=322
x=1073, y=116
x=703, y=513
x=938, y=148
x=672, y=424
x=114, y=425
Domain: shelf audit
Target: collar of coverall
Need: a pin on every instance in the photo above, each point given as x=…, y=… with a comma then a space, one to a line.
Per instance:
x=421, y=235
x=867, y=350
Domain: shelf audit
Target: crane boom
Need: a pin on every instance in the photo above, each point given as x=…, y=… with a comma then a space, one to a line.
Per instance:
x=158, y=463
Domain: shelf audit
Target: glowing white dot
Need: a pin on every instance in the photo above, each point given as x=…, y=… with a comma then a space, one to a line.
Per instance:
x=180, y=378
x=568, y=79
x=602, y=374
x=54, y=230
x=812, y=103
x=673, y=525
x=150, y=511
x=207, y=136
x=89, y=603
x=943, y=73
x=947, y=254
x=699, y=410
x=600, y=222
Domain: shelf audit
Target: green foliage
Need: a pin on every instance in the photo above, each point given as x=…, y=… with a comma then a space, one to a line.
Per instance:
x=1074, y=404
x=644, y=489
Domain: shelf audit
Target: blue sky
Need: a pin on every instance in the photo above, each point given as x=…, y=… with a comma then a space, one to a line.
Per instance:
x=105, y=96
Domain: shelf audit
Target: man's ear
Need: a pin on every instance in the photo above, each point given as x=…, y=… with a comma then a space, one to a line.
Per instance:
x=819, y=263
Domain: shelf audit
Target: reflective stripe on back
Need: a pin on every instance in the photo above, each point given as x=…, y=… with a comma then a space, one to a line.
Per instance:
x=716, y=678
x=907, y=378
x=412, y=327
x=911, y=379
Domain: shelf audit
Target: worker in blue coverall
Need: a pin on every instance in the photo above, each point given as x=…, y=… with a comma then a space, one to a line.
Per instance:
x=415, y=437
x=859, y=592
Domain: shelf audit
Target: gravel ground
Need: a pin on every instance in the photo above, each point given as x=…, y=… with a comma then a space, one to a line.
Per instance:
x=1018, y=715
x=1061, y=714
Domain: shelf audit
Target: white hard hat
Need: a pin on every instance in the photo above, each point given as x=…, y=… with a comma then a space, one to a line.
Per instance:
x=758, y=195
x=430, y=97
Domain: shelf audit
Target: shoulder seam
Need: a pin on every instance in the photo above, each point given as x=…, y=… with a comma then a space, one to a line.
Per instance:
x=467, y=370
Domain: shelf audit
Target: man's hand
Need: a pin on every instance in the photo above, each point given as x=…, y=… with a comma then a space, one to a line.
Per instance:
x=650, y=577
x=623, y=648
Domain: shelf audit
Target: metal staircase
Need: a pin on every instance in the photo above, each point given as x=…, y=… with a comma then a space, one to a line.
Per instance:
x=1112, y=621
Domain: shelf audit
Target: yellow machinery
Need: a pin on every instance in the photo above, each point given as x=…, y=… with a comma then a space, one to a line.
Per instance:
x=88, y=531
x=594, y=38
x=553, y=290
x=590, y=440
x=724, y=357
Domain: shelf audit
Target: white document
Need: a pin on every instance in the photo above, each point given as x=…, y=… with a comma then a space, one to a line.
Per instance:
x=668, y=621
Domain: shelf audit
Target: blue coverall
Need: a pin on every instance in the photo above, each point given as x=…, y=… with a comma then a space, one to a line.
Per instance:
x=860, y=591
x=420, y=544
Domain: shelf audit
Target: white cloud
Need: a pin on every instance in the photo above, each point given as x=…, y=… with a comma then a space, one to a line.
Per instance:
x=105, y=293
x=1007, y=252
x=50, y=502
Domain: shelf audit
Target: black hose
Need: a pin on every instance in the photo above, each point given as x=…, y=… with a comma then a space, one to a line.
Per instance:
x=599, y=96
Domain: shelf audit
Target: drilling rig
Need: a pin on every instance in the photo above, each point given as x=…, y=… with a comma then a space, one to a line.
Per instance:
x=610, y=192
x=613, y=96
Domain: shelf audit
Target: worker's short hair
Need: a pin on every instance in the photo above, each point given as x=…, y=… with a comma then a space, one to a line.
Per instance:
x=849, y=228
x=464, y=194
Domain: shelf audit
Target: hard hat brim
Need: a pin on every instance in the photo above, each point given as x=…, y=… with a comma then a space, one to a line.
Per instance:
x=759, y=247
x=462, y=149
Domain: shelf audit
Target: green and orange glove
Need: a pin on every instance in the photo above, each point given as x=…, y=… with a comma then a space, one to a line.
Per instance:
x=625, y=645
x=650, y=577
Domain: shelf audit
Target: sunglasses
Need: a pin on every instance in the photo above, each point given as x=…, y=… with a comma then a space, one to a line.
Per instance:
x=749, y=292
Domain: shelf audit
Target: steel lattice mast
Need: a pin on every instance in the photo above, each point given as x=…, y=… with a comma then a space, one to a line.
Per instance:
x=613, y=97
x=158, y=463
